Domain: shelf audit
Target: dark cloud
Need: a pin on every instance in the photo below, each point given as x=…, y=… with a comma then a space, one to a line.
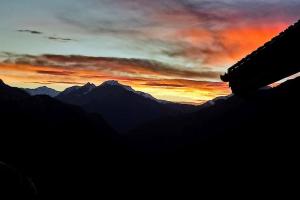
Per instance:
x=204, y=53
x=60, y=39
x=102, y=27
x=65, y=82
x=219, y=12
x=164, y=69
x=55, y=73
x=107, y=66
x=56, y=82
x=54, y=38
x=40, y=82
x=157, y=84
x=30, y=31
x=203, y=10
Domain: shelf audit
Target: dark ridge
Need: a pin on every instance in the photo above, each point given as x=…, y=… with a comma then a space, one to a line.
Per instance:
x=235, y=122
x=70, y=153
x=10, y=93
x=62, y=149
x=15, y=185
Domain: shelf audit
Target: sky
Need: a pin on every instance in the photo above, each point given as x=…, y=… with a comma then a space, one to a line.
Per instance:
x=172, y=49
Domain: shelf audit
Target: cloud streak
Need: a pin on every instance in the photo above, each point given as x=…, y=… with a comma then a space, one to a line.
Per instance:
x=55, y=73
x=61, y=39
x=53, y=38
x=30, y=31
x=111, y=66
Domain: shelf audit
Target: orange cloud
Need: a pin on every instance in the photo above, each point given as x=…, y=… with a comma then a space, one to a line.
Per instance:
x=222, y=46
x=241, y=41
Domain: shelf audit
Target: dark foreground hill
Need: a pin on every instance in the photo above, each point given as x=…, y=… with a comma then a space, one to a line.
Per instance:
x=68, y=153
x=257, y=127
x=62, y=149
x=55, y=150
x=120, y=105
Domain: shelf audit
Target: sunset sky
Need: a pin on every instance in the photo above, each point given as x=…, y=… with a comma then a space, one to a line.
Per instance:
x=172, y=49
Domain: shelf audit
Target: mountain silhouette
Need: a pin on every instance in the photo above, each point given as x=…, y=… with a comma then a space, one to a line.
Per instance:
x=61, y=148
x=66, y=151
x=10, y=94
x=120, y=105
x=256, y=124
x=74, y=94
x=42, y=91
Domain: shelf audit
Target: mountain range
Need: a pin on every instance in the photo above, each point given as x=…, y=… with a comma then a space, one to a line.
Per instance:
x=66, y=150
x=42, y=91
x=121, y=106
x=53, y=142
x=257, y=123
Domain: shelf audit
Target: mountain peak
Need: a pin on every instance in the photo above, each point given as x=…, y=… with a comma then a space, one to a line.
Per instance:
x=87, y=88
x=115, y=83
x=130, y=89
x=89, y=84
x=43, y=87
x=43, y=90
x=111, y=82
x=70, y=89
x=2, y=84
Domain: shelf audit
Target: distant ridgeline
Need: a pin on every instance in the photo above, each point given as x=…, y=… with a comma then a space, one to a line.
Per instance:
x=275, y=60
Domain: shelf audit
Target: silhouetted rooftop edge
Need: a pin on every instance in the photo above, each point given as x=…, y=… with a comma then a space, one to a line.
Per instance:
x=275, y=60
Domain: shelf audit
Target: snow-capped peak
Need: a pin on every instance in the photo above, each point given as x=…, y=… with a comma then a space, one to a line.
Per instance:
x=111, y=82
x=43, y=90
x=116, y=83
x=128, y=88
x=88, y=87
